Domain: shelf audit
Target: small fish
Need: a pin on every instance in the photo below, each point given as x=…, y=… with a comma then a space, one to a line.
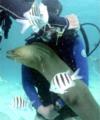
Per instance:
x=40, y=57
x=18, y=102
x=36, y=17
x=62, y=81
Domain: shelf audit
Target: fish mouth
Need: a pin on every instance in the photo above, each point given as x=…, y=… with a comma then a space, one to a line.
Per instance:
x=11, y=54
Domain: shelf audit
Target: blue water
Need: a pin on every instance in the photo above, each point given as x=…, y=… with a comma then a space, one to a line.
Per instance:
x=10, y=71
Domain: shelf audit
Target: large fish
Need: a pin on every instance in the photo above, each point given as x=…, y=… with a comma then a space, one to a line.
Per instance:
x=40, y=57
x=44, y=59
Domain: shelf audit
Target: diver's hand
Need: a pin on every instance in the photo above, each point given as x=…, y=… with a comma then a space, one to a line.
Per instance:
x=47, y=112
x=73, y=21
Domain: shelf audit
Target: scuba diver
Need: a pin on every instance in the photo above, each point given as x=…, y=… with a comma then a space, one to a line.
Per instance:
x=60, y=34
x=68, y=45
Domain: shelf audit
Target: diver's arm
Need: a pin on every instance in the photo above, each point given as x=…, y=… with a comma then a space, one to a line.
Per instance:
x=81, y=59
x=29, y=87
x=32, y=94
x=44, y=111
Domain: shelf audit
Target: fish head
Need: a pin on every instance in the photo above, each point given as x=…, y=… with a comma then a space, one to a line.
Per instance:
x=24, y=54
x=32, y=56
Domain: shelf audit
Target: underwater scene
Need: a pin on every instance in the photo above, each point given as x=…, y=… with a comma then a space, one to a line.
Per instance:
x=16, y=102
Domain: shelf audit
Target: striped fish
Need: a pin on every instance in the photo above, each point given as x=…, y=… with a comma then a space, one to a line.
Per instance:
x=62, y=81
x=36, y=17
x=18, y=102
